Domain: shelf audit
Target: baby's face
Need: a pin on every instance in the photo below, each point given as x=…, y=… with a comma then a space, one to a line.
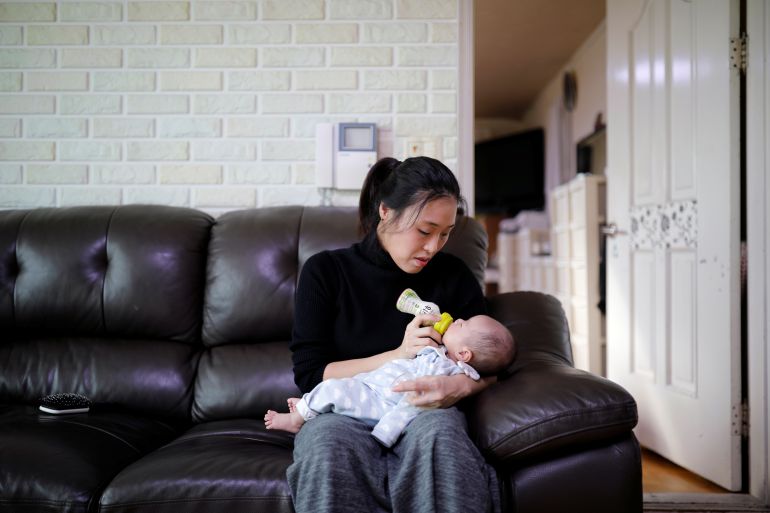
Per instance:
x=462, y=333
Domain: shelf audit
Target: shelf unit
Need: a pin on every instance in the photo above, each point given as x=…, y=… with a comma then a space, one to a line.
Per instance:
x=521, y=265
x=578, y=211
x=571, y=271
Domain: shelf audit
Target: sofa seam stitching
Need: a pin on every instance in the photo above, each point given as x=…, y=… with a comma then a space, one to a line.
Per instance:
x=16, y=257
x=106, y=266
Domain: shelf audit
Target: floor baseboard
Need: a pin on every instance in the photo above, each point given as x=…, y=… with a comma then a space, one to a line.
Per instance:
x=702, y=503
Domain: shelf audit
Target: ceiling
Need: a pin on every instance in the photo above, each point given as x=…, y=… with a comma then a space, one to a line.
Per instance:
x=520, y=45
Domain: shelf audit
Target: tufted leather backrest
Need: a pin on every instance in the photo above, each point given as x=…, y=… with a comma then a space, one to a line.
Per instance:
x=124, y=304
x=255, y=258
x=104, y=301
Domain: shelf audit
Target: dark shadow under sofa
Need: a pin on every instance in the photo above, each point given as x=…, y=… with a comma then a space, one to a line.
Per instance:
x=176, y=326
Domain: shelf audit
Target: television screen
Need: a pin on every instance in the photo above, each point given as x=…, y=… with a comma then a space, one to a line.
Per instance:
x=510, y=174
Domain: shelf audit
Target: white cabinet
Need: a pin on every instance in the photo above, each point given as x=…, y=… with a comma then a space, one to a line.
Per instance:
x=571, y=271
x=520, y=261
x=578, y=209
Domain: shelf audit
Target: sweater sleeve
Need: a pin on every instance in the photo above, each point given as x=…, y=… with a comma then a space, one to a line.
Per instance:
x=312, y=343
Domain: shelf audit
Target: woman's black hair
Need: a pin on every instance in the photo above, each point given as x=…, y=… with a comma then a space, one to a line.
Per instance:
x=400, y=185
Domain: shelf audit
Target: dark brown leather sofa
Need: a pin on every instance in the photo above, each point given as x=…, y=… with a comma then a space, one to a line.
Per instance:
x=177, y=325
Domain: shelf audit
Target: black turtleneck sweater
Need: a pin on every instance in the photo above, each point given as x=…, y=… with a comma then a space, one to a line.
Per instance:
x=345, y=304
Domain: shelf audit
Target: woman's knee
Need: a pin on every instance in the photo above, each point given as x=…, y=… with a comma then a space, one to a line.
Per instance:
x=449, y=422
x=445, y=428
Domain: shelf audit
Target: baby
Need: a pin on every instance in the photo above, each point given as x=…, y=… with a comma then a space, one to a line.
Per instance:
x=481, y=341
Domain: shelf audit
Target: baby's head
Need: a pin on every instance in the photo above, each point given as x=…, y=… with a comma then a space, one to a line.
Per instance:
x=481, y=342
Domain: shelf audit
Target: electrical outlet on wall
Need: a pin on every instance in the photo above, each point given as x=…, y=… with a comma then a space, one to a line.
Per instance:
x=423, y=146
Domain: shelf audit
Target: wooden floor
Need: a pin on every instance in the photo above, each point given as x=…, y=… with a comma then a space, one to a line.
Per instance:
x=669, y=488
x=661, y=476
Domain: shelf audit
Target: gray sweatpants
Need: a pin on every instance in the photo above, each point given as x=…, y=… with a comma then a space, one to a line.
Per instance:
x=339, y=467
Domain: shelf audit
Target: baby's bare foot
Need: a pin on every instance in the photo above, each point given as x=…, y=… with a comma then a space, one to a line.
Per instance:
x=292, y=403
x=291, y=422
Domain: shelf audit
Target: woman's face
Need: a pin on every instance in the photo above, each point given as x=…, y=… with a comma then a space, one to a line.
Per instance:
x=412, y=243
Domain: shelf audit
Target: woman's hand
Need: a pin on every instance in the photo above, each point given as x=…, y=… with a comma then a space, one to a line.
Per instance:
x=441, y=391
x=419, y=334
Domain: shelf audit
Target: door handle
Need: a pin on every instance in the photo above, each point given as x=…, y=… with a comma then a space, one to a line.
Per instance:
x=612, y=230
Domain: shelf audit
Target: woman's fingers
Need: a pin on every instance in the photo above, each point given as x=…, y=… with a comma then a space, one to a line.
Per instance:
x=421, y=392
x=424, y=320
x=433, y=391
x=419, y=333
x=428, y=336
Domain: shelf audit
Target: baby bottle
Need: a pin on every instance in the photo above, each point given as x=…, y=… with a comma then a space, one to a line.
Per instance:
x=409, y=302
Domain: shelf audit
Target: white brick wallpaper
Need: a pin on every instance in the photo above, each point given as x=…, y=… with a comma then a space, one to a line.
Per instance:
x=211, y=104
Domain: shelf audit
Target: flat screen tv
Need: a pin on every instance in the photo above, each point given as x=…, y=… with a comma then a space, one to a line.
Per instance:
x=510, y=174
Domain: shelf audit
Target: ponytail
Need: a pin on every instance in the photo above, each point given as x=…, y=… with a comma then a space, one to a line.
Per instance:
x=400, y=185
x=371, y=193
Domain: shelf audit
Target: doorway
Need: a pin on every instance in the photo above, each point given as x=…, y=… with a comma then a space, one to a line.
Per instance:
x=758, y=485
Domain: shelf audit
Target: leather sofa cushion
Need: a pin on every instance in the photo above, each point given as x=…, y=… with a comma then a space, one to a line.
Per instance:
x=61, y=463
x=104, y=271
x=229, y=466
x=556, y=405
x=243, y=380
x=324, y=228
x=251, y=276
x=145, y=376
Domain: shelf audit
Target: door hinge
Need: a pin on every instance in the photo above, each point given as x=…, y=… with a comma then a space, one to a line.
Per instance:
x=738, y=52
x=741, y=420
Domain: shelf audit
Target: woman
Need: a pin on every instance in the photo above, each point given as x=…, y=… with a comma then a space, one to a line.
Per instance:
x=346, y=323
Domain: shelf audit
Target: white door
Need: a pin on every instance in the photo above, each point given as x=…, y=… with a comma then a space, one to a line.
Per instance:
x=673, y=297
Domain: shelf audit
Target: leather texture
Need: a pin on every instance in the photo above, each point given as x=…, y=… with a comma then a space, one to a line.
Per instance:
x=254, y=304
x=58, y=463
x=323, y=229
x=604, y=477
x=105, y=271
x=557, y=405
x=243, y=380
x=176, y=326
x=142, y=376
x=226, y=466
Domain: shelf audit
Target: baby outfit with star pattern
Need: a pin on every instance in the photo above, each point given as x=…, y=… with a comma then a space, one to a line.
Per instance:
x=369, y=396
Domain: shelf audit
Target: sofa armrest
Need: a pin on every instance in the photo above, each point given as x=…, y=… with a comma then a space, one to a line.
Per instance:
x=544, y=406
x=544, y=402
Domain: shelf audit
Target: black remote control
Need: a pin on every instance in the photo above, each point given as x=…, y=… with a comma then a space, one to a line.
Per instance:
x=65, y=403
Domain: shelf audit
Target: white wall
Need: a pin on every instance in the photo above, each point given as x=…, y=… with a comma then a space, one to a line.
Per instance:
x=564, y=129
x=590, y=65
x=211, y=104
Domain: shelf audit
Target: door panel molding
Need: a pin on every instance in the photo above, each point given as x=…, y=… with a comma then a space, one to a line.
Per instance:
x=674, y=183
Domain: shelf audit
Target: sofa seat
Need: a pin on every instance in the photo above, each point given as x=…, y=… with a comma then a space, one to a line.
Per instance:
x=62, y=462
x=223, y=466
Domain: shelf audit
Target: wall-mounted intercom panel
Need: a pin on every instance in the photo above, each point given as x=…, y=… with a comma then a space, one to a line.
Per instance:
x=344, y=152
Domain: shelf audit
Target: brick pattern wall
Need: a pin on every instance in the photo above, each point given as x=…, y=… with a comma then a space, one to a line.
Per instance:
x=212, y=104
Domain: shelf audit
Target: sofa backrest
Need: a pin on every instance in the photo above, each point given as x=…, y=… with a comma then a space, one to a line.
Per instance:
x=103, y=301
x=255, y=257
